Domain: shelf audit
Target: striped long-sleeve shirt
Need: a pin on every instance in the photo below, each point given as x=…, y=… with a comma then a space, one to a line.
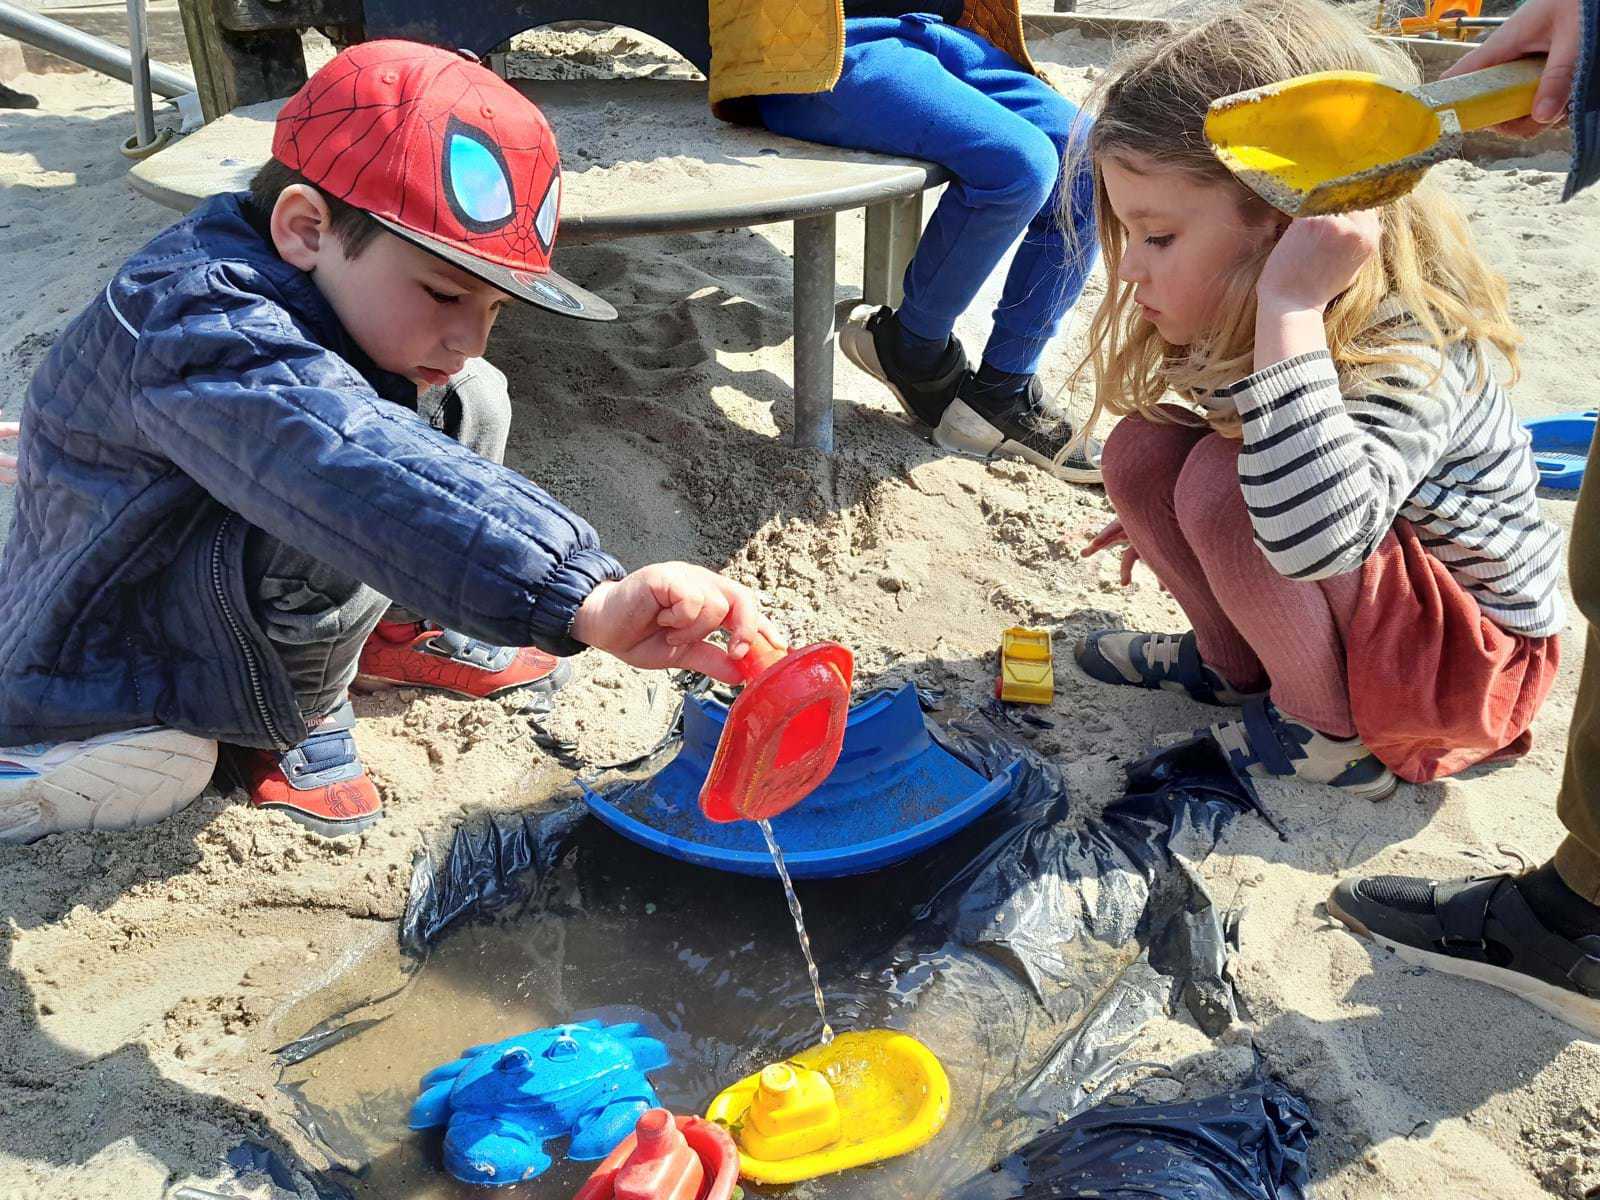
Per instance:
x=1325, y=473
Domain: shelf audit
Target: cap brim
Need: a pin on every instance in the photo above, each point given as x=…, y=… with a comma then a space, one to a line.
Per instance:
x=549, y=290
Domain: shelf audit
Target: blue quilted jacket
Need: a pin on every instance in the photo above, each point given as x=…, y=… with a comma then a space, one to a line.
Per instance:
x=209, y=388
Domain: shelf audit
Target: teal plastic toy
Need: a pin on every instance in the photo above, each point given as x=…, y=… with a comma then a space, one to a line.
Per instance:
x=500, y=1102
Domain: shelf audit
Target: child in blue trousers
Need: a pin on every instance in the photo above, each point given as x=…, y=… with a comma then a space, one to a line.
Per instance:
x=917, y=84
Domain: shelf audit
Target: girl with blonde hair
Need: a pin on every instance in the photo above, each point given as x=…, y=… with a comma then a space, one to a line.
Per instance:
x=1316, y=459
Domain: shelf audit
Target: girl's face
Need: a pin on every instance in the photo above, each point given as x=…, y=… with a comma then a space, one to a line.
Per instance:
x=1184, y=238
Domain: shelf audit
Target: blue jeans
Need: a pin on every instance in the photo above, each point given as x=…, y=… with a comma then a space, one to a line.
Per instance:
x=918, y=87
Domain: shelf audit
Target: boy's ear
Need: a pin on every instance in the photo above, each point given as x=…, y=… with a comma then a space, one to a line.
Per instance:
x=301, y=226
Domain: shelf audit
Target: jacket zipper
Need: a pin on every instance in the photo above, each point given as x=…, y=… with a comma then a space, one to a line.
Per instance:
x=251, y=663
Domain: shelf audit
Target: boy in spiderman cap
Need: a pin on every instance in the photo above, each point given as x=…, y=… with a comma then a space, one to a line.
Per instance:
x=270, y=429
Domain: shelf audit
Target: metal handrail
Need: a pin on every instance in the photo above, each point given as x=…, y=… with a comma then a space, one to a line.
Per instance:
x=87, y=50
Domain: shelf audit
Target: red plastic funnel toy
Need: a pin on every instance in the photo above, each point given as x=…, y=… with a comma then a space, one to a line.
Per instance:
x=667, y=1158
x=783, y=733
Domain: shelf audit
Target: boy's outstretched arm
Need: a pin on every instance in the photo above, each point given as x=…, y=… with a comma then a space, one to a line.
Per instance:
x=289, y=436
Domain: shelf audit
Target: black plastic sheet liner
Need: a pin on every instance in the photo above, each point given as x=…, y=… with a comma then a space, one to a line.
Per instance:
x=1249, y=1144
x=1027, y=952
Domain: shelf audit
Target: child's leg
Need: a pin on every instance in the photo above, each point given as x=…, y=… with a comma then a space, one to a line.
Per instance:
x=403, y=649
x=328, y=627
x=1143, y=463
x=1048, y=270
x=319, y=618
x=897, y=96
x=1294, y=627
x=475, y=409
x=316, y=617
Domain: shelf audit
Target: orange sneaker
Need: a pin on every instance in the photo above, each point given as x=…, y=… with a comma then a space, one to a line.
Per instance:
x=420, y=654
x=320, y=783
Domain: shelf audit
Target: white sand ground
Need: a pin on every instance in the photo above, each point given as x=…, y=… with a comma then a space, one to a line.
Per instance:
x=142, y=976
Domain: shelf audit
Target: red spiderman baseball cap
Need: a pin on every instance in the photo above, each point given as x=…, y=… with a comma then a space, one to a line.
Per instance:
x=443, y=153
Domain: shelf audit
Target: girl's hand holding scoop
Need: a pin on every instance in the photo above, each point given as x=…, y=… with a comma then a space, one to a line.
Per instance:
x=660, y=615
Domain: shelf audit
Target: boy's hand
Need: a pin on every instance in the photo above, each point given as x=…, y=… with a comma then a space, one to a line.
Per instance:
x=1550, y=27
x=1316, y=258
x=8, y=462
x=660, y=616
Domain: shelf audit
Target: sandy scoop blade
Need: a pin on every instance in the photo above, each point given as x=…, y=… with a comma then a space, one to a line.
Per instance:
x=1338, y=141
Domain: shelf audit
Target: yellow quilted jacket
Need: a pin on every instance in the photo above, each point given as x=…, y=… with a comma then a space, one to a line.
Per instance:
x=762, y=47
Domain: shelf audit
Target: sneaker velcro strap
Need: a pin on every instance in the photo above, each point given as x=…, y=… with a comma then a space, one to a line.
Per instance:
x=1191, y=671
x=1585, y=975
x=1474, y=914
x=1462, y=907
x=1265, y=744
x=458, y=647
x=327, y=756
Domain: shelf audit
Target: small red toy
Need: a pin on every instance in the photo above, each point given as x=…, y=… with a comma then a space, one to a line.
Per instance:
x=667, y=1158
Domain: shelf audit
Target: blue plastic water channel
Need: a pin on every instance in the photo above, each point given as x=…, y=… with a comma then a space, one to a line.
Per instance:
x=894, y=792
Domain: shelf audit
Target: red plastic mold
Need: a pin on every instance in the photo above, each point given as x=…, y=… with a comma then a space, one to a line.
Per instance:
x=783, y=733
x=667, y=1158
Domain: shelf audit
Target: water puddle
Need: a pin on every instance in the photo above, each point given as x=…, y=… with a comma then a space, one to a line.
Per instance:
x=705, y=961
x=1013, y=951
x=799, y=928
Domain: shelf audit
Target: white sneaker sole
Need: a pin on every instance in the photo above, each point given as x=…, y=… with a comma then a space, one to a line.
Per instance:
x=855, y=339
x=1581, y=1012
x=112, y=782
x=963, y=431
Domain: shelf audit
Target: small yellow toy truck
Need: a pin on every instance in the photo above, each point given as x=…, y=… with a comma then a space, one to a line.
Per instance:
x=1027, y=675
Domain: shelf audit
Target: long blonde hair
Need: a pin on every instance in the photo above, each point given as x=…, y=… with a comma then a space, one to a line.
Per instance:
x=1153, y=102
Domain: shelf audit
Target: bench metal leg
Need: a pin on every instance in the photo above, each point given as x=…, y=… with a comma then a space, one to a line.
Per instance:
x=893, y=228
x=814, y=246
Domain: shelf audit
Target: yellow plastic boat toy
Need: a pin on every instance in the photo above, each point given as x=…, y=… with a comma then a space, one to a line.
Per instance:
x=866, y=1096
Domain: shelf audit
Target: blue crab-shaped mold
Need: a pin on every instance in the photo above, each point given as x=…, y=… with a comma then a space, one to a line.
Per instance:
x=500, y=1102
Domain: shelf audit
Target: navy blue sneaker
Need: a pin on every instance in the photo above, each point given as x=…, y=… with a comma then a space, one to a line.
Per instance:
x=1269, y=745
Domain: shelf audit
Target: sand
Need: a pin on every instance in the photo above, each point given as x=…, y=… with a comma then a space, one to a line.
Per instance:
x=145, y=978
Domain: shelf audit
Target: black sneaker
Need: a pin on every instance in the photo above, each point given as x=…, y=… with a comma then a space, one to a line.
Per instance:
x=10, y=98
x=1018, y=425
x=1482, y=929
x=870, y=338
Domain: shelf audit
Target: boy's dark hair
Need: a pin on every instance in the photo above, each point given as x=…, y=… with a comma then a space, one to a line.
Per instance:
x=353, y=226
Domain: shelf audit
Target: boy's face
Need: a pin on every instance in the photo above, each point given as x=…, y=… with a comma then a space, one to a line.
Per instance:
x=413, y=313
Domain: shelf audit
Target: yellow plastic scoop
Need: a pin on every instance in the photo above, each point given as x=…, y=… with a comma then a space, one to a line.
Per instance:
x=1342, y=140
